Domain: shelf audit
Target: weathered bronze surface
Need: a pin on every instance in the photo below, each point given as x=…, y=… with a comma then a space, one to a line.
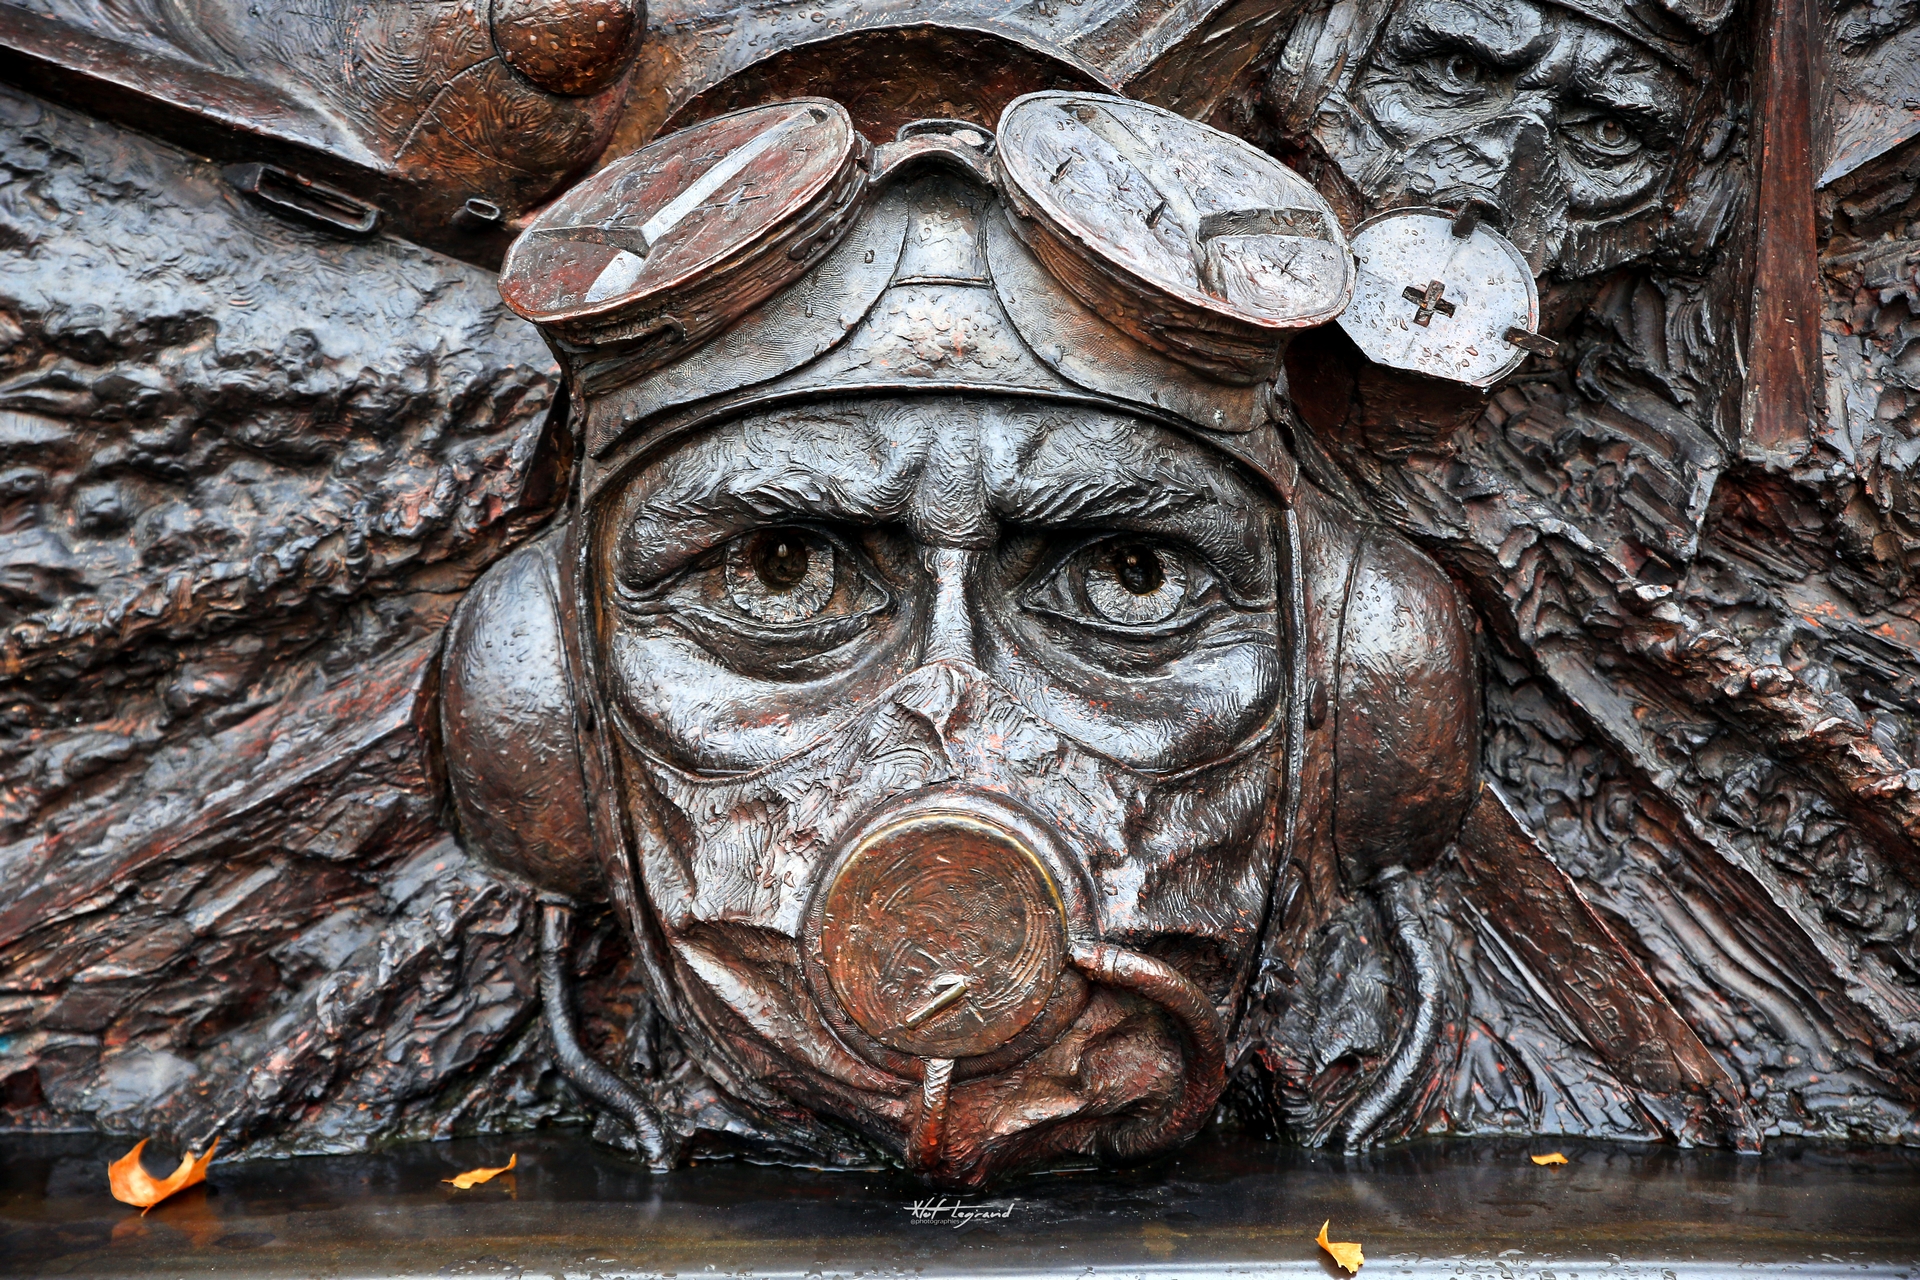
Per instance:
x=1065, y=573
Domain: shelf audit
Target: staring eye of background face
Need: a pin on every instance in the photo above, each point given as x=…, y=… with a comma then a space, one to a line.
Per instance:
x=1440, y=56
x=1455, y=76
x=1601, y=135
x=1607, y=158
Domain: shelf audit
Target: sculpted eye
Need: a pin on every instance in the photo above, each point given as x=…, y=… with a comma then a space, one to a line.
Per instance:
x=1134, y=583
x=1456, y=74
x=1603, y=137
x=780, y=575
x=770, y=601
x=1126, y=586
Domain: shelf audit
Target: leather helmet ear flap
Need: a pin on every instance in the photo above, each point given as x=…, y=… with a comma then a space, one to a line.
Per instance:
x=1407, y=746
x=510, y=730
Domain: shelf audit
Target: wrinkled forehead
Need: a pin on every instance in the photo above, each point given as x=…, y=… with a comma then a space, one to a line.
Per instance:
x=951, y=469
x=1518, y=34
x=1508, y=30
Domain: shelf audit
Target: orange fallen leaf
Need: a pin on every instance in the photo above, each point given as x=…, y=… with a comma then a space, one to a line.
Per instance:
x=1345, y=1252
x=474, y=1177
x=131, y=1184
x=1552, y=1157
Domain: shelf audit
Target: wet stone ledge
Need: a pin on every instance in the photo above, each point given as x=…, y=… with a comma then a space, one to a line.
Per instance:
x=1225, y=1207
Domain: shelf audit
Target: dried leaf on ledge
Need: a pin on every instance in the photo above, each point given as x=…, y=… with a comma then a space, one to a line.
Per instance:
x=474, y=1177
x=131, y=1184
x=1345, y=1252
x=1552, y=1157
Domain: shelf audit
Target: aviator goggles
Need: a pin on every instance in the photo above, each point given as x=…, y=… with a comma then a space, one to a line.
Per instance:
x=1187, y=240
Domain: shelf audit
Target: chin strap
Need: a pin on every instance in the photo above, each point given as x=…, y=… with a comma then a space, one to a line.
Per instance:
x=1395, y=890
x=599, y=1085
x=1198, y=1024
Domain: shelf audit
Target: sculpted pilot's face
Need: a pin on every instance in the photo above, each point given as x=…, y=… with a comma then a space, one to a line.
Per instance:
x=931, y=708
x=1553, y=123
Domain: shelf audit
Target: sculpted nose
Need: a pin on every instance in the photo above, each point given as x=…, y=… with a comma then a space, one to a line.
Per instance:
x=949, y=634
x=1494, y=163
x=1471, y=206
x=1504, y=173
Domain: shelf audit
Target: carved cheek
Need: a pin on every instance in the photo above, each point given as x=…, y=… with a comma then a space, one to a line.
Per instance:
x=1507, y=154
x=1200, y=709
x=1199, y=862
x=1403, y=115
x=1605, y=191
x=680, y=701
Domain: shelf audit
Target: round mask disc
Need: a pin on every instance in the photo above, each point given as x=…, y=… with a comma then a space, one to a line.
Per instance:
x=943, y=936
x=1463, y=308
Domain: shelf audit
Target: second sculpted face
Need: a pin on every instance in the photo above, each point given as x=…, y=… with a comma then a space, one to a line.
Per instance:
x=1050, y=637
x=1554, y=123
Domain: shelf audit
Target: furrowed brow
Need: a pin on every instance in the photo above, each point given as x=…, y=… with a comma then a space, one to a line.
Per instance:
x=1625, y=82
x=729, y=483
x=1087, y=484
x=1100, y=500
x=1489, y=35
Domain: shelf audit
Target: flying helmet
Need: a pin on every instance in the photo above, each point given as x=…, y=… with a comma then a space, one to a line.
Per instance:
x=1091, y=250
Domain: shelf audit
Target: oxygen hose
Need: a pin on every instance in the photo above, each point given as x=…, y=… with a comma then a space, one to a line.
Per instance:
x=929, y=1132
x=1395, y=888
x=1199, y=1026
x=597, y=1083
x=1148, y=978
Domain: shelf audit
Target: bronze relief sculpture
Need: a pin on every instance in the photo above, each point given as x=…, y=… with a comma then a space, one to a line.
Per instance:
x=1561, y=123
x=945, y=687
x=1071, y=576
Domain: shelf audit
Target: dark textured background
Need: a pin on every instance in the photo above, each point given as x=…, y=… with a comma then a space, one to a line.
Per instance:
x=248, y=470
